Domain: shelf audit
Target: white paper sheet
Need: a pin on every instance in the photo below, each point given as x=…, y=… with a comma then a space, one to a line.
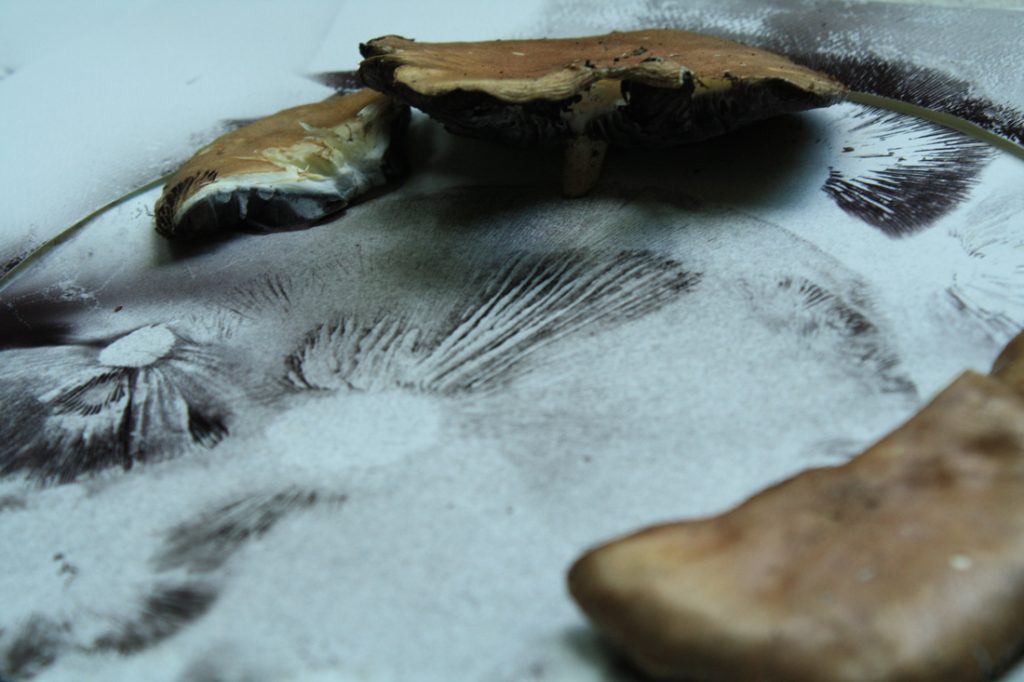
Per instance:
x=370, y=450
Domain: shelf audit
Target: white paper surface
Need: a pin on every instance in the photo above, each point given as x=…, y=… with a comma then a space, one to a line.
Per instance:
x=370, y=450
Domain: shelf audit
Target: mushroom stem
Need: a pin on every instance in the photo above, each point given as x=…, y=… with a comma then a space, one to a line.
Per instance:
x=584, y=157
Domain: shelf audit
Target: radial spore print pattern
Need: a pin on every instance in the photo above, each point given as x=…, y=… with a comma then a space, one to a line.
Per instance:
x=82, y=408
x=161, y=614
x=205, y=543
x=343, y=82
x=989, y=288
x=185, y=584
x=921, y=85
x=523, y=305
x=513, y=348
x=901, y=174
x=842, y=321
x=152, y=393
x=31, y=648
x=419, y=415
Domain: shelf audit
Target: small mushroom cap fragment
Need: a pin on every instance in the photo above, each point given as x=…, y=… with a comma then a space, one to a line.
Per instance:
x=654, y=87
x=905, y=564
x=287, y=170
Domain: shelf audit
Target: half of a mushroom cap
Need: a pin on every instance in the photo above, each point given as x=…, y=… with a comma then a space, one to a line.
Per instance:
x=651, y=87
x=286, y=171
x=905, y=564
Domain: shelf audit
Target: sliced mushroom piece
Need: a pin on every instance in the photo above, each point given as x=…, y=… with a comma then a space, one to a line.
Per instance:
x=905, y=564
x=649, y=88
x=286, y=171
x=1009, y=366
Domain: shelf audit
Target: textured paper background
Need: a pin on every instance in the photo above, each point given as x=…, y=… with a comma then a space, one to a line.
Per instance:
x=369, y=450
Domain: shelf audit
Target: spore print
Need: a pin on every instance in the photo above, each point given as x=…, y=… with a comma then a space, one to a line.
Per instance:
x=523, y=305
x=840, y=322
x=988, y=287
x=204, y=543
x=161, y=615
x=901, y=174
x=82, y=408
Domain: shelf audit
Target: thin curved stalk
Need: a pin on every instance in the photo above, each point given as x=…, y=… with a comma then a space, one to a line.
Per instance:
x=941, y=118
x=48, y=246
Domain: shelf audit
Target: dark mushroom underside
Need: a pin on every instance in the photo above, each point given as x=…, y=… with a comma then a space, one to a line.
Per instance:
x=649, y=88
x=651, y=116
x=334, y=152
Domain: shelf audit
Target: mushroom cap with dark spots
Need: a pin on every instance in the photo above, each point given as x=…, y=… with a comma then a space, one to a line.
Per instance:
x=650, y=88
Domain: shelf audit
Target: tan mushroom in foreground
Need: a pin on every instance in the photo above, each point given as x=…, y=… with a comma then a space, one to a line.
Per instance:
x=652, y=88
x=905, y=564
x=285, y=171
x=1009, y=366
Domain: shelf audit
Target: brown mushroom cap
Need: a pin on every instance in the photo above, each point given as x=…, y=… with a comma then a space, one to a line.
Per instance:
x=906, y=564
x=284, y=171
x=1009, y=366
x=650, y=87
